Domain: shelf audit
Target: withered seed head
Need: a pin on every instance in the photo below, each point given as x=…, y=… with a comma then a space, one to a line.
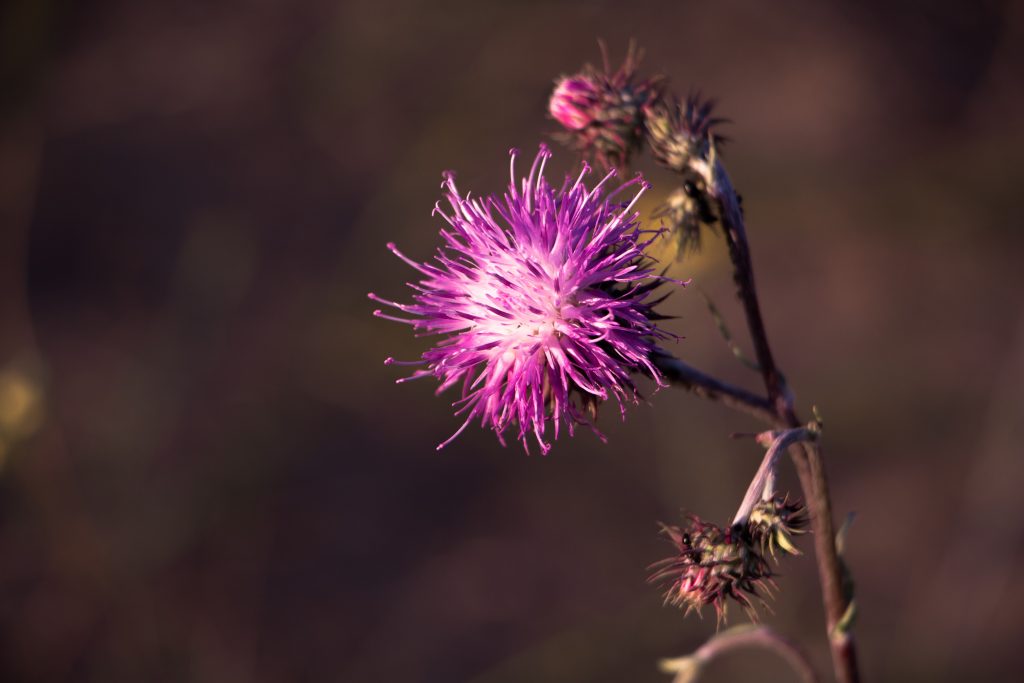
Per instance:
x=686, y=211
x=775, y=521
x=711, y=565
x=679, y=131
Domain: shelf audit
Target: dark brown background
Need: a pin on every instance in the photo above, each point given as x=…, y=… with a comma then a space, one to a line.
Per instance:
x=208, y=474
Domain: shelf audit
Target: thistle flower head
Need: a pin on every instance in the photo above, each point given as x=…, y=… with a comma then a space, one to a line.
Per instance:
x=712, y=564
x=679, y=131
x=603, y=111
x=773, y=523
x=542, y=300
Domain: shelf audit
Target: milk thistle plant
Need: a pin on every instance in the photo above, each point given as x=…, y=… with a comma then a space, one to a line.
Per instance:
x=544, y=297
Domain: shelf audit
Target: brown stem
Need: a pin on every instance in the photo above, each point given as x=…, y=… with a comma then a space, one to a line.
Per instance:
x=807, y=457
x=731, y=216
x=830, y=570
x=709, y=387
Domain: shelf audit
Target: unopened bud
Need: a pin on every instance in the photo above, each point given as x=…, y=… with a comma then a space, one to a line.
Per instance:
x=603, y=112
x=573, y=102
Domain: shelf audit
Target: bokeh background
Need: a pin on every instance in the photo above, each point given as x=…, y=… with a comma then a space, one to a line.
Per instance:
x=207, y=474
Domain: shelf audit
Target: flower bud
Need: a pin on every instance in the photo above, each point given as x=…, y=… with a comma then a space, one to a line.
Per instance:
x=603, y=112
x=573, y=102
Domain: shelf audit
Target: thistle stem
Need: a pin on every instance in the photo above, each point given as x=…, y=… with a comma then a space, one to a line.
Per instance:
x=807, y=456
x=731, y=216
x=709, y=387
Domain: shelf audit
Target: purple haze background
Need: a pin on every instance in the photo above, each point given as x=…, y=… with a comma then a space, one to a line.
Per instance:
x=208, y=473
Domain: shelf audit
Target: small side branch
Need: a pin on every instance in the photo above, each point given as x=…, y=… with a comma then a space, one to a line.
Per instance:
x=688, y=669
x=709, y=387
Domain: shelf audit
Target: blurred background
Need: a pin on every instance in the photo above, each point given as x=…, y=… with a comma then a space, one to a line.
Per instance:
x=207, y=474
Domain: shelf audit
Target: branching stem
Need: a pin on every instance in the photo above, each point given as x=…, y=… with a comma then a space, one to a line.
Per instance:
x=807, y=456
x=706, y=386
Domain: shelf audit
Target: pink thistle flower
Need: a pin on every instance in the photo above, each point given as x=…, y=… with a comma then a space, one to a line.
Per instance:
x=603, y=111
x=542, y=296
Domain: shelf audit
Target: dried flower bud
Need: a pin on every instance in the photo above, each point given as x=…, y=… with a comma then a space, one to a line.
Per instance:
x=604, y=111
x=685, y=211
x=711, y=565
x=775, y=521
x=678, y=132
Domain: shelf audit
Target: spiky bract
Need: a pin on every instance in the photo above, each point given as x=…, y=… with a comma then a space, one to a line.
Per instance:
x=710, y=566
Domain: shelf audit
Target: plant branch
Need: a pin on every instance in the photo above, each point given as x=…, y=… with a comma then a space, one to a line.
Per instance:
x=688, y=669
x=709, y=387
x=720, y=188
x=723, y=329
